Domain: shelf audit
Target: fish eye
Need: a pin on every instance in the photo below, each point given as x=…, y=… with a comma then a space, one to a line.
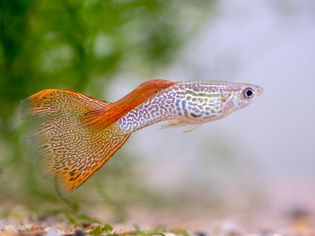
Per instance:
x=248, y=93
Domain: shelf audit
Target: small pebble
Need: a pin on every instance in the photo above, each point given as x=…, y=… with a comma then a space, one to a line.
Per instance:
x=124, y=230
x=79, y=232
x=10, y=229
x=199, y=233
x=169, y=234
x=52, y=232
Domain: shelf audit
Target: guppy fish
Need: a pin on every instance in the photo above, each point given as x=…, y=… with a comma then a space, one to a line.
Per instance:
x=76, y=134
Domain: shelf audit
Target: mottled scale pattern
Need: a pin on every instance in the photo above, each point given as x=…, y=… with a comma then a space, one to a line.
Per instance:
x=183, y=103
x=71, y=151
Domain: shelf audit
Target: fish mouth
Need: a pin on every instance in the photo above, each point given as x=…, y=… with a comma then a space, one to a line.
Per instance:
x=259, y=90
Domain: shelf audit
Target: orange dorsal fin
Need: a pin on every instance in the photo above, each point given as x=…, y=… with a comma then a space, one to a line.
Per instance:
x=70, y=151
x=108, y=115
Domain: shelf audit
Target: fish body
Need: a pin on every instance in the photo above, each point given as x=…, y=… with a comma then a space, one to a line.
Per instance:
x=190, y=103
x=76, y=134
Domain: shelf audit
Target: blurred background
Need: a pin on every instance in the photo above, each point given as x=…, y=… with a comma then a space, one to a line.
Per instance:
x=258, y=161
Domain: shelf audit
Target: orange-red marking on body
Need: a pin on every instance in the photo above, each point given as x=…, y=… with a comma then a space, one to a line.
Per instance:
x=105, y=117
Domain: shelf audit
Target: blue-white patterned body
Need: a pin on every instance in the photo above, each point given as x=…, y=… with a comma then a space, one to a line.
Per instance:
x=190, y=103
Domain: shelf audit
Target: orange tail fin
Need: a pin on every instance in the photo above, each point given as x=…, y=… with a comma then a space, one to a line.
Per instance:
x=108, y=115
x=72, y=152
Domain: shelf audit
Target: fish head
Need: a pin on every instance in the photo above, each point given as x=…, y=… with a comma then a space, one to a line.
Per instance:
x=240, y=96
x=206, y=101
